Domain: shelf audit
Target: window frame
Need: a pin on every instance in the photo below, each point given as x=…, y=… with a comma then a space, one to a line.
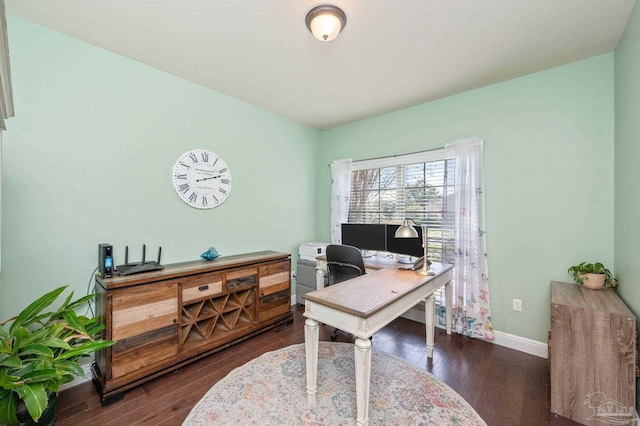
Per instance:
x=438, y=154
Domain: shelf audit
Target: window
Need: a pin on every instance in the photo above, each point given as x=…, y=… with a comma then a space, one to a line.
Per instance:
x=417, y=186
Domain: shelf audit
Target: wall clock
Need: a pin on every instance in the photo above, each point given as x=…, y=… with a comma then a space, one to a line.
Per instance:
x=201, y=179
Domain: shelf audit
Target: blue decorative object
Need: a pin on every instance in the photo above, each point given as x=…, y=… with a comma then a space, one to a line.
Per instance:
x=210, y=254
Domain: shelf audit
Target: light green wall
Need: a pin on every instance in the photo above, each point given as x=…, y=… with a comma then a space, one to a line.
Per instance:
x=87, y=159
x=548, y=147
x=627, y=172
x=627, y=156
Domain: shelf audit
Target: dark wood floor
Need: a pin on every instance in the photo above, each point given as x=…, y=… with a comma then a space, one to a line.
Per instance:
x=506, y=387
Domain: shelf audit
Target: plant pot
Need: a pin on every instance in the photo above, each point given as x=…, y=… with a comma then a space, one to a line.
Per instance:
x=593, y=281
x=48, y=416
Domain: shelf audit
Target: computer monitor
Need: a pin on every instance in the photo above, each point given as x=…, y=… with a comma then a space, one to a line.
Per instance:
x=365, y=236
x=407, y=246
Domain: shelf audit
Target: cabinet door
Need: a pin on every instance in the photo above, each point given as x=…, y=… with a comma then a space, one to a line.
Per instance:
x=144, y=321
x=274, y=287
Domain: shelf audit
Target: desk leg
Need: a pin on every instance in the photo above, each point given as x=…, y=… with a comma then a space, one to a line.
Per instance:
x=429, y=312
x=363, y=378
x=319, y=278
x=449, y=304
x=311, y=337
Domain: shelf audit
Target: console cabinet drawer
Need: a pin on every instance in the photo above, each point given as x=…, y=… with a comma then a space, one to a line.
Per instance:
x=241, y=278
x=201, y=287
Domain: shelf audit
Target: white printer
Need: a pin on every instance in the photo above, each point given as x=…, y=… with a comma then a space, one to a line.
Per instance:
x=306, y=273
x=309, y=251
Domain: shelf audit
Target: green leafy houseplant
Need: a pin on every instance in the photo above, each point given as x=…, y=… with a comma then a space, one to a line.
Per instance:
x=40, y=351
x=580, y=272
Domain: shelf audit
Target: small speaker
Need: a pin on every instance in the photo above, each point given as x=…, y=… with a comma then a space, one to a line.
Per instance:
x=105, y=260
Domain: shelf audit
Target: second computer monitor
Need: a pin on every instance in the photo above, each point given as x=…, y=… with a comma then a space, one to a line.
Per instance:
x=365, y=236
x=407, y=246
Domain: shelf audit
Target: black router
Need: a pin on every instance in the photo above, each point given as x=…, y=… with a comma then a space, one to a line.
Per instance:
x=136, y=268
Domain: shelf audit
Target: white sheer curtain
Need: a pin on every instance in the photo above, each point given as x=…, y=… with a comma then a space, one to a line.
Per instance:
x=471, y=312
x=340, y=192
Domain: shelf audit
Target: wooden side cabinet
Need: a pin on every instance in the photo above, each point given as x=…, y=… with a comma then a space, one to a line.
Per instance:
x=163, y=320
x=592, y=351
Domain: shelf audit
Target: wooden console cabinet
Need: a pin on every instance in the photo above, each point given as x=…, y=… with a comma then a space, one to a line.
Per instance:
x=163, y=320
x=593, y=355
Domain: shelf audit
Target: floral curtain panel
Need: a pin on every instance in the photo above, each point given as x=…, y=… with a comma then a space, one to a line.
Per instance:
x=471, y=312
x=340, y=191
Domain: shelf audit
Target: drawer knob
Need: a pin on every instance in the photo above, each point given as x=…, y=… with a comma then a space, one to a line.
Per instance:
x=203, y=287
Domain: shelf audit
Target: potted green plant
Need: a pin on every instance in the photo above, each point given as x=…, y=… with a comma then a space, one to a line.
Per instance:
x=39, y=352
x=593, y=275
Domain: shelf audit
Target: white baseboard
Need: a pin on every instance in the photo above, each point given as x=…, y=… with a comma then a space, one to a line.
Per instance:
x=522, y=344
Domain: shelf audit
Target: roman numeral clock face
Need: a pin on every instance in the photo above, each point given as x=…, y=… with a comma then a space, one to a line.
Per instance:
x=201, y=179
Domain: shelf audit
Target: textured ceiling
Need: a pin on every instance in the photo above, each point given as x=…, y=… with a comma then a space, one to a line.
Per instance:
x=392, y=54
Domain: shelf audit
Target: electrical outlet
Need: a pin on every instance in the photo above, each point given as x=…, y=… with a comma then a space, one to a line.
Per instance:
x=517, y=305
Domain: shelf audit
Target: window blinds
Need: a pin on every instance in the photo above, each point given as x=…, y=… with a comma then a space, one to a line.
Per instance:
x=422, y=191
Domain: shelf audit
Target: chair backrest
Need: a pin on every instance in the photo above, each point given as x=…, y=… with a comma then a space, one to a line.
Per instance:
x=343, y=263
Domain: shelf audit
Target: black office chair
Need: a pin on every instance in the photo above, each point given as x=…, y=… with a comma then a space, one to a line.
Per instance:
x=343, y=263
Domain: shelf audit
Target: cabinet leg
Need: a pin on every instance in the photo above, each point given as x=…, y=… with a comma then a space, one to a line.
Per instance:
x=107, y=400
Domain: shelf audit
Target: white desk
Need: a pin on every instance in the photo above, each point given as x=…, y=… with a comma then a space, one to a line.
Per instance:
x=373, y=264
x=362, y=306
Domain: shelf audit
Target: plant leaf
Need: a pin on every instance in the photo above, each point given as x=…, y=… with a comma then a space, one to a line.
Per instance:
x=9, y=382
x=40, y=375
x=80, y=301
x=38, y=350
x=20, y=336
x=35, y=398
x=86, y=349
x=26, y=316
x=10, y=361
x=55, y=342
x=72, y=319
x=8, y=408
x=69, y=367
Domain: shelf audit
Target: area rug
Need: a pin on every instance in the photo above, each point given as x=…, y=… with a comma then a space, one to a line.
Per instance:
x=271, y=390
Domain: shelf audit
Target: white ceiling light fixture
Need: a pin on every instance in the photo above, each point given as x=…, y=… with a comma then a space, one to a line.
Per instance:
x=325, y=22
